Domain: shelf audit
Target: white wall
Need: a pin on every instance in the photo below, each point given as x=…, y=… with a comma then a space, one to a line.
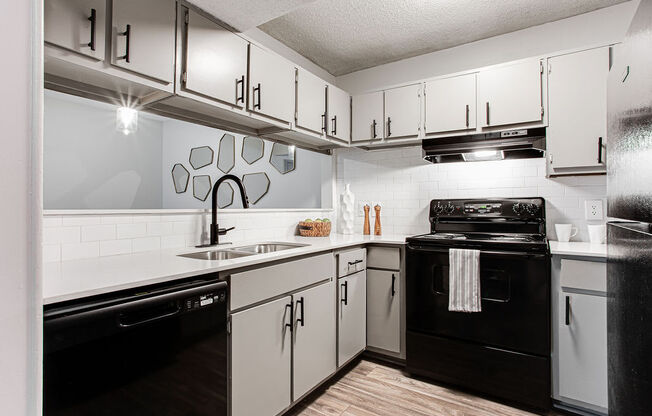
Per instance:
x=404, y=184
x=90, y=165
x=601, y=27
x=20, y=289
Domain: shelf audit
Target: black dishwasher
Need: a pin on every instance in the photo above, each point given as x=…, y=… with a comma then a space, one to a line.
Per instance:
x=158, y=351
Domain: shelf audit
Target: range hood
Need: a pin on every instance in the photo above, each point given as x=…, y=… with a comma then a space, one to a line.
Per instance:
x=510, y=144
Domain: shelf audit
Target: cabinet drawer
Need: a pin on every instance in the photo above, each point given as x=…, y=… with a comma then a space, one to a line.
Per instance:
x=586, y=275
x=259, y=284
x=351, y=261
x=384, y=258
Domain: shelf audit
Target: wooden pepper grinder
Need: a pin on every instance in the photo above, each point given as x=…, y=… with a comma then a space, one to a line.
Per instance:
x=377, y=230
x=365, y=229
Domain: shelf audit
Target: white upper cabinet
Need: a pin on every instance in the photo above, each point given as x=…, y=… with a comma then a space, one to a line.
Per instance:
x=215, y=61
x=577, y=119
x=367, y=114
x=143, y=37
x=450, y=104
x=403, y=111
x=510, y=94
x=76, y=25
x=339, y=113
x=271, y=85
x=311, y=102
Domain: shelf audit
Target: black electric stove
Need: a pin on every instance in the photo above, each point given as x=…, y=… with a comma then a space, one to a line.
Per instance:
x=503, y=351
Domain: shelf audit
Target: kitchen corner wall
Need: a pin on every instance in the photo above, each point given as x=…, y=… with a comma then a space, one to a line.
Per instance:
x=71, y=237
x=403, y=184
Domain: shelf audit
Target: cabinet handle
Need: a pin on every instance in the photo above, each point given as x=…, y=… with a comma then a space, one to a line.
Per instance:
x=467, y=115
x=374, y=129
x=127, y=35
x=300, y=320
x=93, y=20
x=487, y=113
x=323, y=122
x=600, y=150
x=242, y=92
x=393, y=284
x=291, y=306
x=568, y=311
x=257, y=92
x=345, y=298
x=334, y=130
x=389, y=126
x=352, y=263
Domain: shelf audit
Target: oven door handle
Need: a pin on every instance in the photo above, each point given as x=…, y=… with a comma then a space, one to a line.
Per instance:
x=486, y=252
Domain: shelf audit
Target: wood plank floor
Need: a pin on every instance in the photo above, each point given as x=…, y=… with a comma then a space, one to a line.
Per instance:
x=371, y=389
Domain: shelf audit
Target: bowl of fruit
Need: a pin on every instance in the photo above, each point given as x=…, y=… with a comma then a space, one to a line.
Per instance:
x=319, y=227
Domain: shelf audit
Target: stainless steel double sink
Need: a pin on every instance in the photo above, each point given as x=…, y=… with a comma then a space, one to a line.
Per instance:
x=237, y=252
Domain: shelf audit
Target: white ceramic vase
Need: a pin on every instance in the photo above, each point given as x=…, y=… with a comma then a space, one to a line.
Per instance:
x=347, y=210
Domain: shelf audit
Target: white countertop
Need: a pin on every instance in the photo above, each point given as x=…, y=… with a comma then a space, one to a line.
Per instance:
x=74, y=279
x=578, y=249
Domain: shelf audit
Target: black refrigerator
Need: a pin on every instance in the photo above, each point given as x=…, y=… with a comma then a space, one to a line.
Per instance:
x=629, y=233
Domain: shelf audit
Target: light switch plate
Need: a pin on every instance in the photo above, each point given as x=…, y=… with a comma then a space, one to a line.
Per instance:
x=593, y=209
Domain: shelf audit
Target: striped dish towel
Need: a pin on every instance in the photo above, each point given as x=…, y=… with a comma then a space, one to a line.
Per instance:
x=464, y=281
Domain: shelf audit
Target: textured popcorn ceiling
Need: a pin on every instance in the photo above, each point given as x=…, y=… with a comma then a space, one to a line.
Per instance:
x=245, y=14
x=344, y=36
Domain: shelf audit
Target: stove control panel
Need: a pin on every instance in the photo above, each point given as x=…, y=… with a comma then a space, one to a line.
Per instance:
x=483, y=208
x=530, y=208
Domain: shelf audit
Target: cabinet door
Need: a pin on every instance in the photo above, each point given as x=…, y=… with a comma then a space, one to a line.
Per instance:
x=77, y=25
x=271, y=85
x=577, y=102
x=311, y=101
x=315, y=337
x=450, y=104
x=403, y=111
x=339, y=113
x=260, y=359
x=216, y=61
x=352, y=294
x=367, y=117
x=384, y=310
x=583, y=348
x=510, y=94
x=143, y=37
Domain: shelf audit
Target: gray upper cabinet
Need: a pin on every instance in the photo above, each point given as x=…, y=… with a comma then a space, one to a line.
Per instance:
x=215, y=61
x=403, y=112
x=339, y=114
x=577, y=119
x=271, y=85
x=143, y=37
x=450, y=104
x=311, y=102
x=367, y=115
x=510, y=94
x=76, y=25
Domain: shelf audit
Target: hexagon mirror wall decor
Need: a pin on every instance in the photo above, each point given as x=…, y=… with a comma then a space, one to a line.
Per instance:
x=180, y=178
x=283, y=157
x=200, y=157
x=224, y=195
x=253, y=149
x=256, y=185
x=201, y=187
x=226, y=154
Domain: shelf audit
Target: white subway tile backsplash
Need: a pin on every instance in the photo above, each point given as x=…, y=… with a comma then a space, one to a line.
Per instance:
x=80, y=220
x=74, y=251
x=131, y=230
x=115, y=247
x=52, y=222
x=51, y=252
x=146, y=244
x=55, y=235
x=173, y=241
x=98, y=232
x=117, y=219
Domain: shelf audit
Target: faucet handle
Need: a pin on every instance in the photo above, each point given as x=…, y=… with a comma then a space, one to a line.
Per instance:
x=222, y=231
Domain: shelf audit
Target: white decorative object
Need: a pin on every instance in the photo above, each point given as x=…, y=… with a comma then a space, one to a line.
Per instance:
x=347, y=210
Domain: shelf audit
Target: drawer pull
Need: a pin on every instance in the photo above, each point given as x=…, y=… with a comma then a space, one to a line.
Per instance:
x=568, y=311
x=393, y=284
x=353, y=263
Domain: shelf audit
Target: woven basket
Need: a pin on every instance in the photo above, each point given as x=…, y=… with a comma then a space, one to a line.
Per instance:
x=315, y=229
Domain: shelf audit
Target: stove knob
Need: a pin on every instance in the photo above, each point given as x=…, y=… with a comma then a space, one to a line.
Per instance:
x=517, y=208
x=532, y=208
x=450, y=208
x=439, y=208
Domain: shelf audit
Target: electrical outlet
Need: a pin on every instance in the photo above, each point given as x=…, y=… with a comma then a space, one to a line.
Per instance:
x=593, y=209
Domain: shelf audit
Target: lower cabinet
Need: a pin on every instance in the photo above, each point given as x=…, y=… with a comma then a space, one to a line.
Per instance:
x=384, y=310
x=261, y=354
x=352, y=294
x=266, y=339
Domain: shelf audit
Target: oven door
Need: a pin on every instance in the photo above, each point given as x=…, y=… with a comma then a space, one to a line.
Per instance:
x=515, y=289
